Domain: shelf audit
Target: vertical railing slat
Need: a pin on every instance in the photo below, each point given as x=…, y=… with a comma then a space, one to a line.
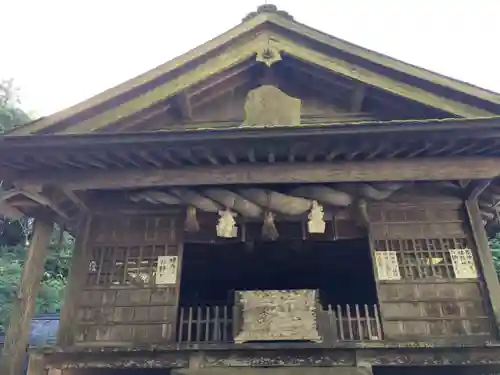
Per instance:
x=225, y=324
x=207, y=324
x=216, y=324
x=331, y=319
x=368, y=320
x=198, y=323
x=190, y=324
x=377, y=322
x=181, y=325
x=340, y=320
x=359, y=323
x=349, y=322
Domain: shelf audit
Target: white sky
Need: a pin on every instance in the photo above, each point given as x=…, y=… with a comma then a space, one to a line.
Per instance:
x=61, y=52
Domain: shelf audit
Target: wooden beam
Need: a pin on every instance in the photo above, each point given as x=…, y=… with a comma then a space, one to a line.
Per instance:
x=36, y=364
x=485, y=259
x=183, y=106
x=381, y=170
x=73, y=197
x=476, y=188
x=16, y=339
x=67, y=329
x=358, y=96
x=377, y=80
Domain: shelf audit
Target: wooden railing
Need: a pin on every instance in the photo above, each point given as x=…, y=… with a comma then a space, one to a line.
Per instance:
x=214, y=324
x=355, y=322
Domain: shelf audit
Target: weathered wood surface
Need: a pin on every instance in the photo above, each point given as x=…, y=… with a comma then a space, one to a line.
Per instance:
x=120, y=301
x=384, y=170
x=268, y=105
x=428, y=300
x=277, y=315
x=76, y=280
x=36, y=365
x=300, y=356
x=16, y=340
x=337, y=370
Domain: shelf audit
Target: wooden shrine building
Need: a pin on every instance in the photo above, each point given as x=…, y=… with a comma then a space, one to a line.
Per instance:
x=274, y=201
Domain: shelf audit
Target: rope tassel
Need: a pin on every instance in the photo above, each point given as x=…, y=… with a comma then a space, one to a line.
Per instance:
x=191, y=224
x=269, y=231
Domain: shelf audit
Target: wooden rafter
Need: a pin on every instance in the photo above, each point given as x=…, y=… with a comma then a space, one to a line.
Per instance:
x=357, y=98
x=354, y=171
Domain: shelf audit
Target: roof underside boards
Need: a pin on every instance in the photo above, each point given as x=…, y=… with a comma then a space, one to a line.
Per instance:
x=38, y=155
x=229, y=62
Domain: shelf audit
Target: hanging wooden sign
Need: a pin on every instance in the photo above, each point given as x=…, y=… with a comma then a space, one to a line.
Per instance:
x=270, y=315
x=387, y=265
x=463, y=263
x=166, y=271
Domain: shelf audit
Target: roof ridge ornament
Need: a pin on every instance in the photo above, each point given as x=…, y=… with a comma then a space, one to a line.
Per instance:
x=268, y=55
x=267, y=8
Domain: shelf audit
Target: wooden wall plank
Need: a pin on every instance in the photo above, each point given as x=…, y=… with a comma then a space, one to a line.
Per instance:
x=120, y=301
x=428, y=301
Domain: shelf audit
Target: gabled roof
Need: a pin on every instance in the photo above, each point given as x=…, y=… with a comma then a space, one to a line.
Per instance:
x=266, y=29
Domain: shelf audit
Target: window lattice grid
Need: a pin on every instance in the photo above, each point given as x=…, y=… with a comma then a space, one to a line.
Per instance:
x=424, y=258
x=133, y=265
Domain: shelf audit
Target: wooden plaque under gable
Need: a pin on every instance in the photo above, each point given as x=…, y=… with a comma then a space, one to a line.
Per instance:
x=268, y=105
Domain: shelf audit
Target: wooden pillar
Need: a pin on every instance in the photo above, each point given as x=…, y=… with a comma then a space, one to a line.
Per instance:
x=36, y=365
x=78, y=271
x=485, y=259
x=16, y=339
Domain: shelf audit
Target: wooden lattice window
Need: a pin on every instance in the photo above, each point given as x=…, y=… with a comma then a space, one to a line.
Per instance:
x=120, y=265
x=438, y=258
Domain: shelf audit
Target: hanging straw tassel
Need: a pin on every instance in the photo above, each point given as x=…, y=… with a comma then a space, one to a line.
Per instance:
x=191, y=224
x=269, y=231
x=363, y=219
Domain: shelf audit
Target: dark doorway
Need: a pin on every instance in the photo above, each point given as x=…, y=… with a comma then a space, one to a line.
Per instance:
x=341, y=270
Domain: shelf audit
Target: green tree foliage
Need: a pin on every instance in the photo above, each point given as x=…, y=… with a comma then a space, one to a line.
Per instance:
x=11, y=114
x=15, y=235
x=495, y=249
x=54, y=278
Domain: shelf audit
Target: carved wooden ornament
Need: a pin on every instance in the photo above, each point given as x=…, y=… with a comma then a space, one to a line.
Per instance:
x=226, y=227
x=166, y=271
x=387, y=265
x=277, y=315
x=463, y=263
x=268, y=105
x=316, y=223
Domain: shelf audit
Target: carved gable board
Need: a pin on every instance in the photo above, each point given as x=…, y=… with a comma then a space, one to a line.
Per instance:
x=268, y=105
